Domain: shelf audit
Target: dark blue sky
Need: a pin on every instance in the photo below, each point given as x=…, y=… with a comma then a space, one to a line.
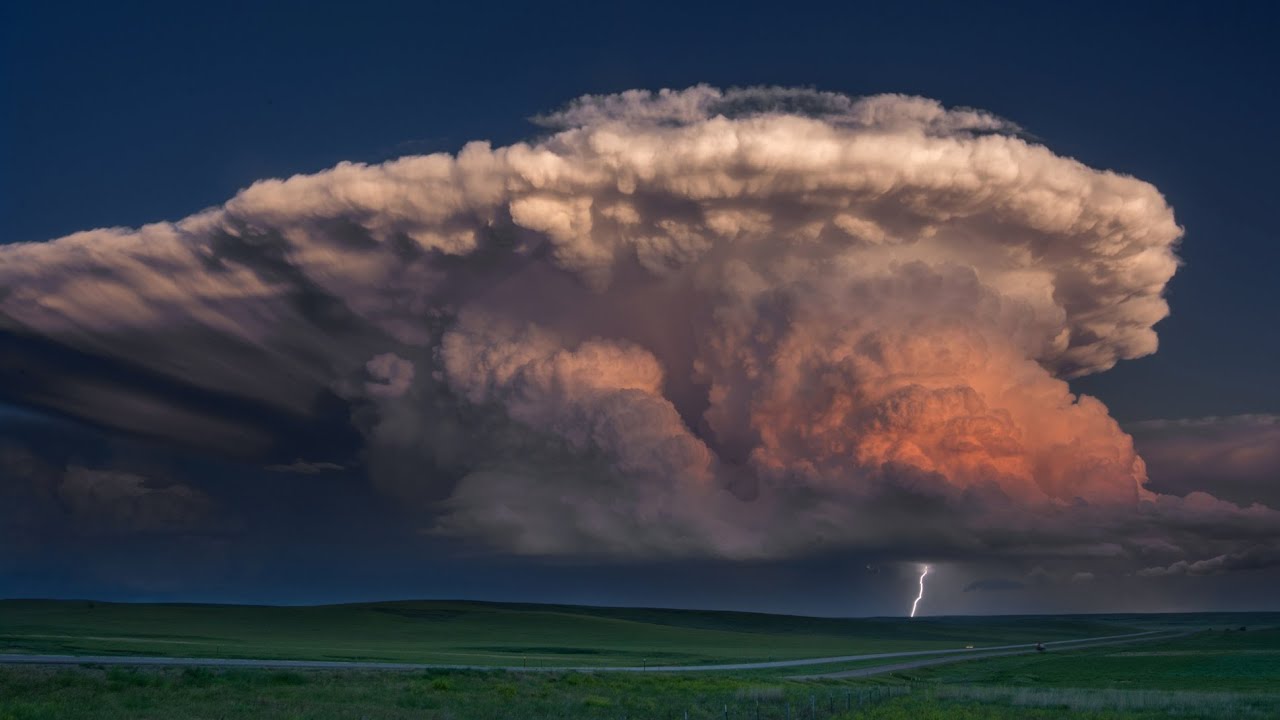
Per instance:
x=119, y=114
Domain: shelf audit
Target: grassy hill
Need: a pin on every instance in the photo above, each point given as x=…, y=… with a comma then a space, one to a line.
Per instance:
x=474, y=633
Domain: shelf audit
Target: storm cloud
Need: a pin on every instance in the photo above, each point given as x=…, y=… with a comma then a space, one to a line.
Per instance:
x=752, y=323
x=1238, y=456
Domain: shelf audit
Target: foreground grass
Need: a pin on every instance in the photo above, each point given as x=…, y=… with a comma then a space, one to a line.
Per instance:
x=118, y=694
x=487, y=634
x=39, y=694
x=1124, y=703
x=1063, y=705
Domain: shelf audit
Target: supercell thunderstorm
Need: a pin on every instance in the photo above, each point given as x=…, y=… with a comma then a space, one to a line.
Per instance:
x=751, y=323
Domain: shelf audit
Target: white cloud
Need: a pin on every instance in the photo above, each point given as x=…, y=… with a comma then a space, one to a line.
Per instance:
x=750, y=323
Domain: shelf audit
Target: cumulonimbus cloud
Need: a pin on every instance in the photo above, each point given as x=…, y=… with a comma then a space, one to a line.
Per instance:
x=749, y=323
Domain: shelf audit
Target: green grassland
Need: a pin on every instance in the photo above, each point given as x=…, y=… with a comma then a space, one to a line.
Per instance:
x=34, y=693
x=117, y=694
x=1209, y=674
x=1213, y=660
x=487, y=634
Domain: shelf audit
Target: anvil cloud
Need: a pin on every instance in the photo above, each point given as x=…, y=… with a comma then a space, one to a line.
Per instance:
x=748, y=323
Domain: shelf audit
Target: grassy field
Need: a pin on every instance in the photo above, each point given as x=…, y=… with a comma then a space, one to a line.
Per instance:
x=466, y=633
x=1214, y=660
x=36, y=694
x=1211, y=674
x=155, y=694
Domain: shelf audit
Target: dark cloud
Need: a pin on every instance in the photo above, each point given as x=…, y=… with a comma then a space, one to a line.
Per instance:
x=1255, y=558
x=107, y=388
x=993, y=584
x=305, y=467
x=1235, y=458
x=108, y=501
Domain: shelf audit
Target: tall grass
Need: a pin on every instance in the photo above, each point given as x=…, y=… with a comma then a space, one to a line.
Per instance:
x=156, y=694
x=1184, y=704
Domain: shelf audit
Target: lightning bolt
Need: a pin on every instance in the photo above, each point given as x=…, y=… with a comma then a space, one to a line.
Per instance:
x=921, y=595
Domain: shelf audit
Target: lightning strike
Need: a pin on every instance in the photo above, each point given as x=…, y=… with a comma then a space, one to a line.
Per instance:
x=919, y=597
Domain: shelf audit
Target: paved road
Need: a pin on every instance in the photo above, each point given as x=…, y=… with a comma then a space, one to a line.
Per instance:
x=982, y=654
x=128, y=660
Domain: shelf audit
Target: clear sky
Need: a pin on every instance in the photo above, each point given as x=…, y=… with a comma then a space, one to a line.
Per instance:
x=313, y=453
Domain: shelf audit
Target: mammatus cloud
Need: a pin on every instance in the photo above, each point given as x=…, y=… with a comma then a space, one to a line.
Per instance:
x=747, y=323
